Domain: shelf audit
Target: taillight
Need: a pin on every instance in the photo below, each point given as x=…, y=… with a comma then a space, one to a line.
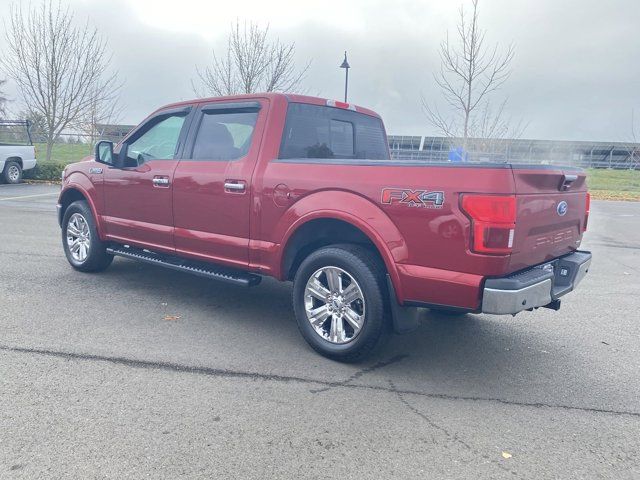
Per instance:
x=493, y=222
x=586, y=214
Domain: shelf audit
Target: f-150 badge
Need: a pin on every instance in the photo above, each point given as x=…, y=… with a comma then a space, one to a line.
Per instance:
x=413, y=198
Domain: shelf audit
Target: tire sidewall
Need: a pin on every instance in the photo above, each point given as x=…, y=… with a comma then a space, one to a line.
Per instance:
x=374, y=303
x=5, y=175
x=83, y=209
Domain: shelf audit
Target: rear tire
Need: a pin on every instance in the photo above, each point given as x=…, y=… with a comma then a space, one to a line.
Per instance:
x=340, y=302
x=80, y=240
x=12, y=172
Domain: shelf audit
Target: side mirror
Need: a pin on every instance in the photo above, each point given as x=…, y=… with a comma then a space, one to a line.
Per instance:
x=104, y=152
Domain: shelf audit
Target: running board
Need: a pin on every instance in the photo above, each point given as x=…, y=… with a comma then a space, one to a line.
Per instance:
x=201, y=269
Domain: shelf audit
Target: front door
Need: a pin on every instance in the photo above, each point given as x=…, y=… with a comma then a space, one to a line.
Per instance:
x=139, y=193
x=212, y=183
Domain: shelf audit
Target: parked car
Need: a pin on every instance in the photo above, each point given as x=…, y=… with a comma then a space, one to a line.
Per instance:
x=17, y=152
x=303, y=189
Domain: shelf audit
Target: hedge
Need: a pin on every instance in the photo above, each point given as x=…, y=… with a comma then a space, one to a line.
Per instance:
x=45, y=171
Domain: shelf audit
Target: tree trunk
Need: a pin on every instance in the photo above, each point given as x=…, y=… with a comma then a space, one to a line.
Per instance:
x=49, y=148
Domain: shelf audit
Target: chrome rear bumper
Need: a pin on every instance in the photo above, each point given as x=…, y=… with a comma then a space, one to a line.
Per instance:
x=539, y=286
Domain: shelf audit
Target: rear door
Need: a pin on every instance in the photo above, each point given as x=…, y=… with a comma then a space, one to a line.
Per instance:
x=551, y=210
x=139, y=194
x=212, y=183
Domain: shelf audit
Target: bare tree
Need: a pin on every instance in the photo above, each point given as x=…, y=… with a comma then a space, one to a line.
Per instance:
x=470, y=71
x=105, y=110
x=58, y=66
x=252, y=63
x=3, y=99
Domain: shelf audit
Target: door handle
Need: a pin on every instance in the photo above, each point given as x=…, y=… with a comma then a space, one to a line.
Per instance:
x=567, y=180
x=235, y=186
x=160, y=181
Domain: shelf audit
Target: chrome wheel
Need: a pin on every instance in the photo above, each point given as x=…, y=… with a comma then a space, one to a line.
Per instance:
x=334, y=304
x=13, y=173
x=78, y=237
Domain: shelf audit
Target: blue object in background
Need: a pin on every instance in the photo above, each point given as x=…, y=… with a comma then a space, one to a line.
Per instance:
x=457, y=154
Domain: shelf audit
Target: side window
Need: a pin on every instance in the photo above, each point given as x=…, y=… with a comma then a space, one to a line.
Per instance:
x=224, y=135
x=158, y=142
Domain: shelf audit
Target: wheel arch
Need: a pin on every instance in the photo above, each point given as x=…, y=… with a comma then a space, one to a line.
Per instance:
x=75, y=192
x=16, y=159
x=337, y=225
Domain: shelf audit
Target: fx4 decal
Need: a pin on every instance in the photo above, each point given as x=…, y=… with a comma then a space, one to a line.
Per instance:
x=413, y=198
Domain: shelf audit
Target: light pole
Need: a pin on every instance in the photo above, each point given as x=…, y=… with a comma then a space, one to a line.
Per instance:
x=346, y=67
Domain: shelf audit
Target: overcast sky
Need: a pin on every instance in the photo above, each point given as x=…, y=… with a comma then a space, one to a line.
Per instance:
x=576, y=74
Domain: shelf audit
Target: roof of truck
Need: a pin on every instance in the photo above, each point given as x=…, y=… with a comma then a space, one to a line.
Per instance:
x=290, y=97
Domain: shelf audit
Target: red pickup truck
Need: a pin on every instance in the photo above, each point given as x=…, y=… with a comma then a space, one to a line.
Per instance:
x=303, y=189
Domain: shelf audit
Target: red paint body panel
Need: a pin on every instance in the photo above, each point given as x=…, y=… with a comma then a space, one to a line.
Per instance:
x=426, y=246
x=137, y=211
x=541, y=234
x=445, y=287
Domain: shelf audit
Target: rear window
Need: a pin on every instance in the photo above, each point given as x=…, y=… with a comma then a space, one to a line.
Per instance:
x=316, y=131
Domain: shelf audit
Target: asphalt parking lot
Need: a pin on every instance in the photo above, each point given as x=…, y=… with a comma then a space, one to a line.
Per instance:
x=144, y=372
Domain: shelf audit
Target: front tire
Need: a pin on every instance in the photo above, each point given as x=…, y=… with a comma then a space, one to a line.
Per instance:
x=12, y=172
x=80, y=240
x=340, y=302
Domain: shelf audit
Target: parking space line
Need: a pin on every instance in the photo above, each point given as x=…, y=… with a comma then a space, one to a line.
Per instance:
x=30, y=196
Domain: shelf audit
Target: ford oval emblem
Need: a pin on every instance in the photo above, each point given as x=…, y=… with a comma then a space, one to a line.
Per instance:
x=562, y=208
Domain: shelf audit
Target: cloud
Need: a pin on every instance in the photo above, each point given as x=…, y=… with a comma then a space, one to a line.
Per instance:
x=574, y=75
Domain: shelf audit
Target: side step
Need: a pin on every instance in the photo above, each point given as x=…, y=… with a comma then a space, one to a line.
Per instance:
x=202, y=269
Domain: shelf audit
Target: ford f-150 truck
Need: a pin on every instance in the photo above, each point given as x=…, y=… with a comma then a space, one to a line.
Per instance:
x=303, y=189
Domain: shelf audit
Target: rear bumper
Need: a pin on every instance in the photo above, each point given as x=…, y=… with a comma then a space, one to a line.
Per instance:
x=535, y=287
x=29, y=164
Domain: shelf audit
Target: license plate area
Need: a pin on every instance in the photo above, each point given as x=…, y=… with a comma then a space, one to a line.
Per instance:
x=568, y=272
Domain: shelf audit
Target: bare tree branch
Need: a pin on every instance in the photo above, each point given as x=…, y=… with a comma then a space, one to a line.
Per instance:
x=3, y=99
x=58, y=66
x=469, y=73
x=105, y=110
x=252, y=63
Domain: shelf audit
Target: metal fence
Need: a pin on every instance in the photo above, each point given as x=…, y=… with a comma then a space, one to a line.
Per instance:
x=22, y=132
x=616, y=155
x=82, y=138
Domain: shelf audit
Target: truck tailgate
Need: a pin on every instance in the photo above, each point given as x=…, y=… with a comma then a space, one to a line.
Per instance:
x=551, y=206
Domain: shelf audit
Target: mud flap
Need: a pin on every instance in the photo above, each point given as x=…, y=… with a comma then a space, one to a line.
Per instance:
x=405, y=319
